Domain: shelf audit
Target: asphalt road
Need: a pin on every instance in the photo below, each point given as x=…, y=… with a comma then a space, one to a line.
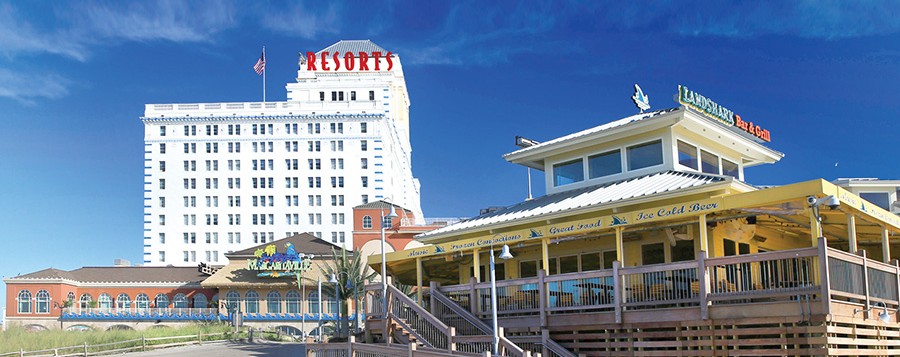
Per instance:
x=230, y=349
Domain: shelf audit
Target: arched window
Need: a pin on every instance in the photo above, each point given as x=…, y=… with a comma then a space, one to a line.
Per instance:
x=331, y=305
x=214, y=302
x=367, y=222
x=232, y=299
x=85, y=301
x=162, y=301
x=292, y=302
x=180, y=301
x=24, y=302
x=42, y=302
x=104, y=301
x=313, y=302
x=142, y=301
x=71, y=297
x=123, y=302
x=273, y=302
x=200, y=301
x=251, y=305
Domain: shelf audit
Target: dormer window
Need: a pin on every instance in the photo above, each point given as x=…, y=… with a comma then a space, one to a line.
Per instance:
x=645, y=155
x=687, y=155
x=568, y=172
x=605, y=164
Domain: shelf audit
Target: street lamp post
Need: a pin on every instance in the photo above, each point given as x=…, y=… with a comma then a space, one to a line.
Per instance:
x=504, y=254
x=384, y=302
x=303, y=298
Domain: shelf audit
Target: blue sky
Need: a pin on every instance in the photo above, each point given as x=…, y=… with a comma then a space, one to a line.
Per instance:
x=74, y=76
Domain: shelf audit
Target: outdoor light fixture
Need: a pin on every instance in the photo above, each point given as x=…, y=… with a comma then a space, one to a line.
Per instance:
x=391, y=215
x=523, y=142
x=884, y=316
x=504, y=254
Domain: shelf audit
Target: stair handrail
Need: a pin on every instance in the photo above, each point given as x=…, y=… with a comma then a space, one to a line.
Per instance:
x=556, y=348
x=459, y=310
x=421, y=312
x=511, y=347
x=411, y=331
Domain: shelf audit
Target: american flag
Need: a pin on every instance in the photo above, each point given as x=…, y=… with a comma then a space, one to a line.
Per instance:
x=260, y=65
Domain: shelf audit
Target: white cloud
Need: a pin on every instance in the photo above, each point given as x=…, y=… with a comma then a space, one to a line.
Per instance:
x=25, y=88
x=18, y=36
x=302, y=19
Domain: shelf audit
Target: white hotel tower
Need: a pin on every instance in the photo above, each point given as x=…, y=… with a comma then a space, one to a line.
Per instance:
x=221, y=177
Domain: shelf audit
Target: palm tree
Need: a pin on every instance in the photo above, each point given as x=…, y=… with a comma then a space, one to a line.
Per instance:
x=352, y=275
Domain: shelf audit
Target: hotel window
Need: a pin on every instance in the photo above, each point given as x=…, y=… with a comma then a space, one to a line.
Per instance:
x=23, y=302
x=365, y=199
x=162, y=220
x=568, y=172
x=709, y=162
x=162, y=184
x=162, y=148
x=363, y=128
x=880, y=199
x=162, y=256
x=292, y=302
x=353, y=95
x=371, y=95
x=645, y=155
x=365, y=181
x=162, y=130
x=687, y=155
x=162, y=238
x=364, y=145
x=730, y=169
x=251, y=305
x=605, y=164
x=340, y=96
x=162, y=166
x=334, y=96
x=162, y=202
x=322, y=96
x=364, y=163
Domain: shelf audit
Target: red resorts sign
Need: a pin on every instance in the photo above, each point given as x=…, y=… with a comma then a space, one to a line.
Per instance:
x=349, y=61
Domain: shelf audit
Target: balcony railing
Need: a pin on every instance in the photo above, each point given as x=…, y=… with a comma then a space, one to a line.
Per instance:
x=789, y=275
x=190, y=314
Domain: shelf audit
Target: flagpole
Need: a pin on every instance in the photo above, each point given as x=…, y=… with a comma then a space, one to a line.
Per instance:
x=264, y=75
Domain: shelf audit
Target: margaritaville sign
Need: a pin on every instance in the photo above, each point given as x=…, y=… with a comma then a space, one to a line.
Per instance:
x=274, y=264
x=725, y=116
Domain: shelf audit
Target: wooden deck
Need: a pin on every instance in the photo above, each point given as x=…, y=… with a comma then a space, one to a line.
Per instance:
x=802, y=302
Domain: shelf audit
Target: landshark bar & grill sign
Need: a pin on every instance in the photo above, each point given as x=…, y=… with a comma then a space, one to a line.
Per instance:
x=713, y=110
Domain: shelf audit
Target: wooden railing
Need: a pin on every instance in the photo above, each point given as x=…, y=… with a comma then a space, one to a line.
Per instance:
x=796, y=274
x=417, y=321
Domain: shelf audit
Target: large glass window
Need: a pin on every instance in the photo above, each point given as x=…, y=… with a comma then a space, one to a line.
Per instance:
x=85, y=301
x=24, y=302
x=180, y=301
x=42, y=302
x=653, y=254
x=880, y=199
x=683, y=250
x=273, y=302
x=590, y=261
x=645, y=155
x=162, y=301
x=104, y=301
x=730, y=169
x=313, y=300
x=528, y=269
x=123, y=302
x=568, y=172
x=231, y=299
x=142, y=301
x=710, y=162
x=292, y=302
x=200, y=301
x=687, y=155
x=605, y=164
x=251, y=305
x=568, y=264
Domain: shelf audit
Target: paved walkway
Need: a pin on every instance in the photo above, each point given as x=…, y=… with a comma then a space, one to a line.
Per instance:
x=230, y=349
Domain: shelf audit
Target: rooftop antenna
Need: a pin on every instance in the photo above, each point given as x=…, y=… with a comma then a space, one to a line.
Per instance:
x=523, y=142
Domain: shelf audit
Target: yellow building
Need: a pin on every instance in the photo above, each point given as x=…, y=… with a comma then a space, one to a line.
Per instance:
x=650, y=242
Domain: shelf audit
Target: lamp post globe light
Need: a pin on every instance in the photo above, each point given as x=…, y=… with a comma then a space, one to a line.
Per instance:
x=504, y=254
x=391, y=215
